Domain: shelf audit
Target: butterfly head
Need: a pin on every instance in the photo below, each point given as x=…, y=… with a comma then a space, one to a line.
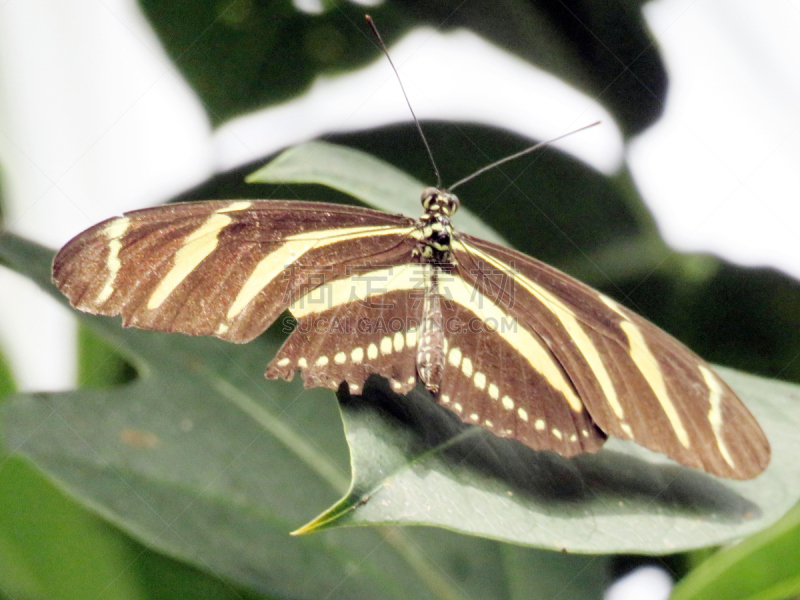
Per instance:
x=436, y=201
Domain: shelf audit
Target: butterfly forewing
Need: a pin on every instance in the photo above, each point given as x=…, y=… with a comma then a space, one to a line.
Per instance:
x=636, y=381
x=222, y=268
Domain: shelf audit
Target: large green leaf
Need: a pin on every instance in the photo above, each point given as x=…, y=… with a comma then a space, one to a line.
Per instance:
x=416, y=463
x=239, y=55
x=51, y=547
x=203, y=459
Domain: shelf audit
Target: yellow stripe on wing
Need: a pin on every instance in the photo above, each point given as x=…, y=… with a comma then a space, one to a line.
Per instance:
x=359, y=287
x=114, y=231
x=200, y=243
x=648, y=365
x=295, y=246
x=715, y=411
x=540, y=358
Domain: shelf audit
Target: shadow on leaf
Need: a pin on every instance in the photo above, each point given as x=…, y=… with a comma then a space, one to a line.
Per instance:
x=431, y=437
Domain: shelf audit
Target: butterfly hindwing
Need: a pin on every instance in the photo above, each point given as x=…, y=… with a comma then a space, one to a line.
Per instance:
x=351, y=328
x=487, y=382
x=372, y=323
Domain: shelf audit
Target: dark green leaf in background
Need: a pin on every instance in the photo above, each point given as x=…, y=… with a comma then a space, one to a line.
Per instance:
x=240, y=55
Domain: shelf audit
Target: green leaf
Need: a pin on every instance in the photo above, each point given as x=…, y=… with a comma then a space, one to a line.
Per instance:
x=763, y=567
x=98, y=365
x=416, y=463
x=49, y=546
x=362, y=176
x=204, y=460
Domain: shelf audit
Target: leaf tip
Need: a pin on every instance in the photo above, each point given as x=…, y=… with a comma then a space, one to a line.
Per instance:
x=326, y=519
x=310, y=527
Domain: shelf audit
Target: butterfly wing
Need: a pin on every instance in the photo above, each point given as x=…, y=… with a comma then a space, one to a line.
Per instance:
x=372, y=323
x=352, y=328
x=570, y=367
x=636, y=381
x=488, y=382
x=226, y=268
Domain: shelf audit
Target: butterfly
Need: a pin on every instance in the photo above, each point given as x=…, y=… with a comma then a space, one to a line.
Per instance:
x=506, y=342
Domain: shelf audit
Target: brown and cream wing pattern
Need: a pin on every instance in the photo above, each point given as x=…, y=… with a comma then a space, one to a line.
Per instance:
x=636, y=381
x=350, y=328
x=224, y=268
x=488, y=382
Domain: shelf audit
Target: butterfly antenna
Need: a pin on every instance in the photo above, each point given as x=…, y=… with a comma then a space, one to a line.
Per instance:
x=416, y=121
x=517, y=155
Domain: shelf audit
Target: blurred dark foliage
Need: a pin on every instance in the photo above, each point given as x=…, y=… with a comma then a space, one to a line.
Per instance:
x=240, y=55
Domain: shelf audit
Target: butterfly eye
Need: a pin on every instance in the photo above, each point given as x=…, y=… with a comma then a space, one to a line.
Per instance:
x=429, y=196
x=450, y=204
x=454, y=205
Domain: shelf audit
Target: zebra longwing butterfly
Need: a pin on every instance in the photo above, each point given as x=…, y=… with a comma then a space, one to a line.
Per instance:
x=503, y=340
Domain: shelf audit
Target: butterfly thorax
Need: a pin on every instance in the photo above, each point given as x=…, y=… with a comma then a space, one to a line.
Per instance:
x=434, y=251
x=436, y=232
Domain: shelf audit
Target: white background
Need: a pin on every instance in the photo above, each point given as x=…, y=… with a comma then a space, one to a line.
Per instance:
x=94, y=120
